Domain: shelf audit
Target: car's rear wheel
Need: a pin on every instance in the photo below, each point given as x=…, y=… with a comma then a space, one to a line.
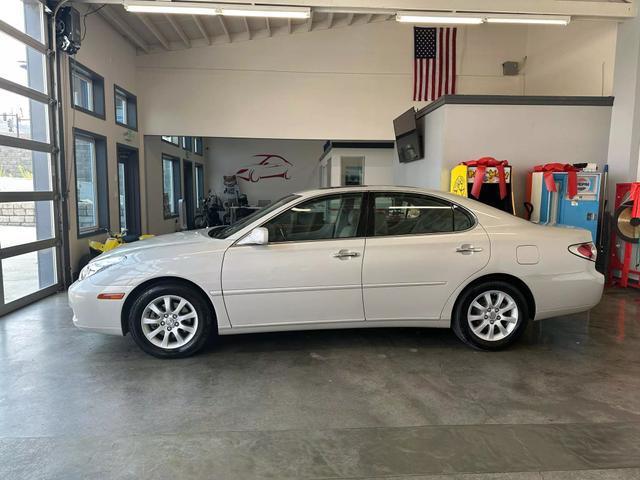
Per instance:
x=170, y=320
x=491, y=315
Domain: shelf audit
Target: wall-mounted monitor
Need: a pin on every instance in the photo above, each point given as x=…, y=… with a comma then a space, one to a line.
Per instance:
x=408, y=140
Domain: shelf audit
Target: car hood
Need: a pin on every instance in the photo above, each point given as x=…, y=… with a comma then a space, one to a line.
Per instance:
x=174, y=240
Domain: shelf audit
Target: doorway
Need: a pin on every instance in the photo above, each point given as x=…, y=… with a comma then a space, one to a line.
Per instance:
x=187, y=173
x=128, y=189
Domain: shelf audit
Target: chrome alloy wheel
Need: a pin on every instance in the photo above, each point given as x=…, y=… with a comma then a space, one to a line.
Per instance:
x=493, y=315
x=169, y=321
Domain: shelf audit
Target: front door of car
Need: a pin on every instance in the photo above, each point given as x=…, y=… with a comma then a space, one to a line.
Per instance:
x=418, y=251
x=309, y=272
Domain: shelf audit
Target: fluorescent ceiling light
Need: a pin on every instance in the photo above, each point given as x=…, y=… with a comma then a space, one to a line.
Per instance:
x=265, y=11
x=438, y=18
x=185, y=8
x=529, y=19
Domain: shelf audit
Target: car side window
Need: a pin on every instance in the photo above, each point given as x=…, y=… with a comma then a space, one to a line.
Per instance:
x=407, y=214
x=335, y=216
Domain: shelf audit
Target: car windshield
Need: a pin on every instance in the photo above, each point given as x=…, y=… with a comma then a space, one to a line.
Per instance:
x=226, y=232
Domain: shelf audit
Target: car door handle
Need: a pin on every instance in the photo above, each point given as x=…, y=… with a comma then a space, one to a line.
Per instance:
x=346, y=254
x=468, y=249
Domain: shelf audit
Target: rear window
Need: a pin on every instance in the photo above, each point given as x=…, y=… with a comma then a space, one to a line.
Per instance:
x=409, y=214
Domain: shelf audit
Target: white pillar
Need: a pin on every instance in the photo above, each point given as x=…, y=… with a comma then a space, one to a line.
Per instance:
x=624, y=136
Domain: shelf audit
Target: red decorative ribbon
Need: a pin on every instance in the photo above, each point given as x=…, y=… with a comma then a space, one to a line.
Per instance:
x=634, y=195
x=549, y=169
x=481, y=167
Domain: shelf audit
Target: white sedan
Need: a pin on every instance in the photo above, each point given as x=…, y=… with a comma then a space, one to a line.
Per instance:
x=342, y=258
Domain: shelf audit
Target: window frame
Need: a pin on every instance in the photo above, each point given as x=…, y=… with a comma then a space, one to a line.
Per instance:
x=195, y=141
x=362, y=221
x=176, y=165
x=198, y=167
x=98, y=94
x=102, y=190
x=131, y=106
x=454, y=205
x=186, y=145
x=177, y=144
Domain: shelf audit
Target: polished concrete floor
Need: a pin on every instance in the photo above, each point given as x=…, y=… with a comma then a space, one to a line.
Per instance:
x=564, y=403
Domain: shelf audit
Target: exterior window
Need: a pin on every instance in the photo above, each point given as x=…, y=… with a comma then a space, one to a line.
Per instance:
x=402, y=214
x=172, y=140
x=199, y=185
x=197, y=145
x=335, y=216
x=126, y=108
x=87, y=88
x=352, y=170
x=91, y=182
x=187, y=143
x=171, y=185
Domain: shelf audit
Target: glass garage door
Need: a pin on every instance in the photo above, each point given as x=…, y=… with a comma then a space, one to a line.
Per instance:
x=29, y=252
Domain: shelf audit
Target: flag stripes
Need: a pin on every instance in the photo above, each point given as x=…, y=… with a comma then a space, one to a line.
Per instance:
x=435, y=75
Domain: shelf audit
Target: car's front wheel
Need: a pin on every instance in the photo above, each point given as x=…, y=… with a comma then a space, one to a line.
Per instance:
x=491, y=315
x=170, y=320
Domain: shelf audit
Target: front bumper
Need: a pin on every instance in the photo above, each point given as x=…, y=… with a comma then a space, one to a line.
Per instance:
x=92, y=314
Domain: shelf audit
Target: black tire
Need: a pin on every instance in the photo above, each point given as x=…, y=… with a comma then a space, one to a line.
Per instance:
x=462, y=326
x=203, y=331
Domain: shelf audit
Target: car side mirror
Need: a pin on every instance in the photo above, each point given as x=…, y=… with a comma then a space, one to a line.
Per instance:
x=257, y=236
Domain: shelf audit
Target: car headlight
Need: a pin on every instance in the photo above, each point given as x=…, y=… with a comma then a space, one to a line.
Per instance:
x=99, y=265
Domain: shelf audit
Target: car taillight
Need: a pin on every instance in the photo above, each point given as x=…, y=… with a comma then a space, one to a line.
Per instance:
x=587, y=250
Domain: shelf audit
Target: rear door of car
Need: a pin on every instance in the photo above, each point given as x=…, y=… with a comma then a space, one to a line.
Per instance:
x=419, y=249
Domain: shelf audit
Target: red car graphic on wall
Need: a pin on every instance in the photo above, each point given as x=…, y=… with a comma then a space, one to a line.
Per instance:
x=271, y=166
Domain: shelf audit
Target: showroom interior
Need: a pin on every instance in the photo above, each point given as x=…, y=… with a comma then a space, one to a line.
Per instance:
x=145, y=121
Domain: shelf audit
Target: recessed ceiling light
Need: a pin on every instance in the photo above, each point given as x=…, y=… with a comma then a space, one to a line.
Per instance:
x=529, y=19
x=183, y=8
x=265, y=11
x=437, y=18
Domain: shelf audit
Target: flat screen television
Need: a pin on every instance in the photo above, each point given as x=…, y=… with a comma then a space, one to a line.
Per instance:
x=408, y=140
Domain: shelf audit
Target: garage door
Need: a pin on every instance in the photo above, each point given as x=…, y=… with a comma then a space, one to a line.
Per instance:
x=29, y=251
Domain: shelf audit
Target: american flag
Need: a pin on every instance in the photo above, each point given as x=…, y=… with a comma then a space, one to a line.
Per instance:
x=434, y=64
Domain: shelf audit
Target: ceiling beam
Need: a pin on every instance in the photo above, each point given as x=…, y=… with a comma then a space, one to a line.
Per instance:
x=203, y=31
x=183, y=36
x=154, y=30
x=268, y=24
x=124, y=29
x=368, y=18
x=329, y=20
x=350, y=19
x=247, y=27
x=289, y=25
x=225, y=28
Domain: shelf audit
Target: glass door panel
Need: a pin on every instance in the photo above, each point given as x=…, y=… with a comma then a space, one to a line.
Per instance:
x=29, y=244
x=28, y=273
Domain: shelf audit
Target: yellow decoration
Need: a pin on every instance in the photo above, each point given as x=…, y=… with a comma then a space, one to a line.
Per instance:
x=459, y=180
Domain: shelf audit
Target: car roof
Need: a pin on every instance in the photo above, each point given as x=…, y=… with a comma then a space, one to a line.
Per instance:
x=377, y=188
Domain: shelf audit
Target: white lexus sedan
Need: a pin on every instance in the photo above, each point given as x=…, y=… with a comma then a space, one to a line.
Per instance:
x=348, y=257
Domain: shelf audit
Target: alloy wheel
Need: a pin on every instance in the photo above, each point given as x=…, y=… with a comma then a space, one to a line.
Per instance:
x=493, y=315
x=169, y=321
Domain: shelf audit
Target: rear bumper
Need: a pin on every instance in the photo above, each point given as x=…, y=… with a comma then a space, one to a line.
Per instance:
x=93, y=315
x=566, y=293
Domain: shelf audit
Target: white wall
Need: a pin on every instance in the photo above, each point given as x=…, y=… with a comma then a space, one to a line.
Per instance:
x=349, y=83
x=525, y=135
x=105, y=52
x=378, y=165
x=225, y=156
x=574, y=60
